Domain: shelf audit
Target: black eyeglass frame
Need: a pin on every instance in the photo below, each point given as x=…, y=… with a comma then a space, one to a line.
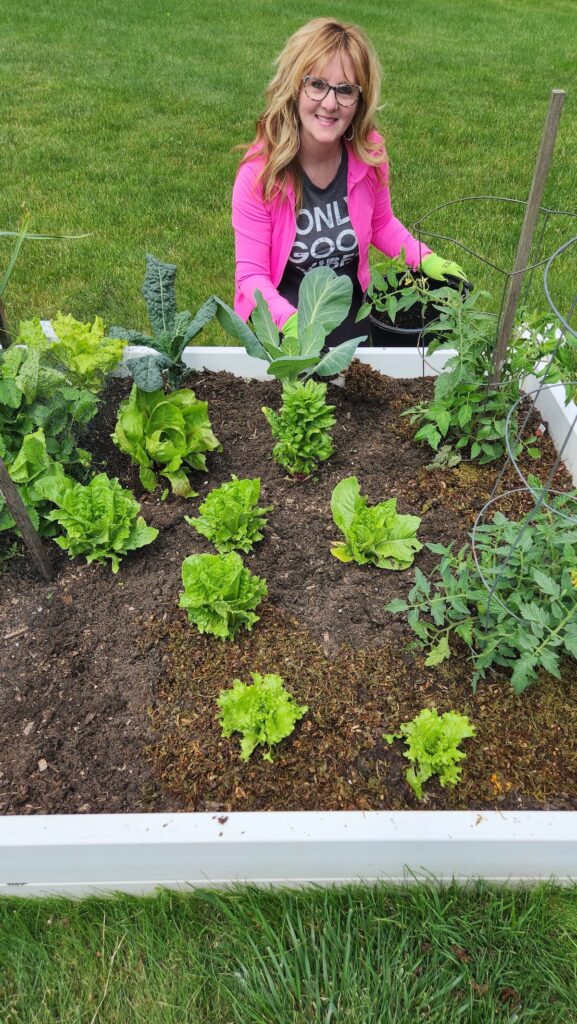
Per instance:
x=350, y=85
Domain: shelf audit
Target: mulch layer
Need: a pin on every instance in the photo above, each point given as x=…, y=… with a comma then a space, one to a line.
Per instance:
x=108, y=699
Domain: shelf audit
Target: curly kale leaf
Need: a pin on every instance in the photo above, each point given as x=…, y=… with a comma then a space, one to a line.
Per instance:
x=264, y=712
x=377, y=533
x=230, y=517
x=303, y=427
x=220, y=595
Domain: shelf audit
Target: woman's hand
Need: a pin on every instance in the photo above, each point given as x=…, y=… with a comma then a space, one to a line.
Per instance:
x=439, y=269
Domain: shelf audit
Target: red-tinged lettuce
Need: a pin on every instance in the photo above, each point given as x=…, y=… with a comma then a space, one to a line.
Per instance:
x=163, y=434
x=376, y=533
x=433, y=747
x=100, y=520
x=230, y=517
x=220, y=595
x=264, y=712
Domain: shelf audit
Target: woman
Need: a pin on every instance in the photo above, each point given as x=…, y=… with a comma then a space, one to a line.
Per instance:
x=312, y=189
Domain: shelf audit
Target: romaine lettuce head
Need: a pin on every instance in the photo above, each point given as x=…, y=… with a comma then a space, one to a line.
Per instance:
x=100, y=520
x=265, y=712
x=377, y=533
x=230, y=517
x=161, y=433
x=220, y=595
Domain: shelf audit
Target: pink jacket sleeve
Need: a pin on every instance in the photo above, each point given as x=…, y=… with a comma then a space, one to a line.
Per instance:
x=251, y=220
x=389, y=235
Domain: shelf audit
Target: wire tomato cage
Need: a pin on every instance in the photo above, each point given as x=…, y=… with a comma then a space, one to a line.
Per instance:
x=540, y=491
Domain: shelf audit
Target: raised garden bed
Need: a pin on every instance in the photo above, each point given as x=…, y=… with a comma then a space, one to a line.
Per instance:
x=110, y=702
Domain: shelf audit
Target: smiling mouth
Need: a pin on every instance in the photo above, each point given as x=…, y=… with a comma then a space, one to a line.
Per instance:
x=326, y=120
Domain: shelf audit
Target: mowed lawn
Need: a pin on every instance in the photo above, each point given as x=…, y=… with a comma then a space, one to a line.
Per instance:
x=121, y=120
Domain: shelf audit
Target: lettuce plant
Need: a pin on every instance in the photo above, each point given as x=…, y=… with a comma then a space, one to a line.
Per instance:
x=165, y=431
x=220, y=595
x=324, y=301
x=34, y=394
x=80, y=349
x=39, y=479
x=433, y=747
x=263, y=711
x=100, y=520
x=230, y=517
x=302, y=426
x=171, y=330
x=376, y=533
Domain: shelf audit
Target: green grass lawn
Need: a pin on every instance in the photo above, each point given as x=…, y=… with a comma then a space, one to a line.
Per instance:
x=121, y=119
x=343, y=956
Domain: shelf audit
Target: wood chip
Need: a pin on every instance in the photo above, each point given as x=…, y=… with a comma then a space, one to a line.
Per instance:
x=15, y=632
x=42, y=765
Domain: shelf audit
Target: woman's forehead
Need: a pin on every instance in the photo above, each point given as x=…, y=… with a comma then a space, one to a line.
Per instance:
x=339, y=68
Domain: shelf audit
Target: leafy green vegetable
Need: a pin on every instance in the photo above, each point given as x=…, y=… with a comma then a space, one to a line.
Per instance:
x=433, y=747
x=220, y=595
x=230, y=517
x=303, y=427
x=38, y=477
x=168, y=431
x=264, y=711
x=100, y=519
x=374, y=533
x=81, y=349
x=530, y=621
x=171, y=331
x=34, y=394
x=324, y=301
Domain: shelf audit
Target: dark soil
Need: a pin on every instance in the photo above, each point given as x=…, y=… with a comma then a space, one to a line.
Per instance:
x=108, y=696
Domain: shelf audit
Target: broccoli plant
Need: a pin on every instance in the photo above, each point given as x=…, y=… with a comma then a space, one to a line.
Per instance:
x=373, y=533
x=302, y=426
x=324, y=301
x=264, y=712
x=220, y=595
x=168, y=432
x=171, y=330
x=230, y=517
x=433, y=747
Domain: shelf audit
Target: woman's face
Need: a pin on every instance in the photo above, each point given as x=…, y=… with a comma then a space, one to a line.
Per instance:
x=324, y=121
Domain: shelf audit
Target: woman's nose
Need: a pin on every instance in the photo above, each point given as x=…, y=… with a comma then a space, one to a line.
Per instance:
x=330, y=101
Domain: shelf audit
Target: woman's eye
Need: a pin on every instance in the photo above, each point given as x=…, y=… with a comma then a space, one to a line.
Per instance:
x=345, y=90
x=318, y=83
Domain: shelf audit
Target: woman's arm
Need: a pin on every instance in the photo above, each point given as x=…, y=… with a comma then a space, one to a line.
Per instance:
x=253, y=232
x=389, y=235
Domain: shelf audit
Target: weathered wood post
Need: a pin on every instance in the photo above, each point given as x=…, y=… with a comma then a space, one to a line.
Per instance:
x=19, y=512
x=515, y=282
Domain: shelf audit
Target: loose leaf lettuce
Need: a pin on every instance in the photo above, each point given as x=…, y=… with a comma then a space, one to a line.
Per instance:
x=220, y=595
x=165, y=431
x=81, y=349
x=100, y=520
x=264, y=712
x=303, y=427
x=230, y=517
x=433, y=747
x=376, y=533
x=39, y=479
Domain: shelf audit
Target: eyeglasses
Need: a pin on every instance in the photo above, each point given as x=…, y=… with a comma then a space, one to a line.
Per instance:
x=318, y=88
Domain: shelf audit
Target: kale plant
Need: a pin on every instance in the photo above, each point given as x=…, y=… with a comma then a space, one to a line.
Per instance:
x=264, y=712
x=324, y=301
x=230, y=517
x=373, y=533
x=529, y=623
x=303, y=427
x=164, y=433
x=433, y=747
x=220, y=595
x=100, y=520
x=172, y=331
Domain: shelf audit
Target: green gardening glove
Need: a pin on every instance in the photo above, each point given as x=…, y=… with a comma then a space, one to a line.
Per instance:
x=290, y=328
x=439, y=269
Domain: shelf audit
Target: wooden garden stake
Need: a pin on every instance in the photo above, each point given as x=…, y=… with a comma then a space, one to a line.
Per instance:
x=526, y=237
x=4, y=332
x=20, y=514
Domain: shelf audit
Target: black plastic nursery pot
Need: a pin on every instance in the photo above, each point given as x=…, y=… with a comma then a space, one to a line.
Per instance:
x=384, y=334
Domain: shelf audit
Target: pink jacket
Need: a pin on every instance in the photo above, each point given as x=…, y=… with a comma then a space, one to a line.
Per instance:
x=265, y=232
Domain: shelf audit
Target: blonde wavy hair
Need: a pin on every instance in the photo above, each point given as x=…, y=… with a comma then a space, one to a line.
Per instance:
x=277, y=129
